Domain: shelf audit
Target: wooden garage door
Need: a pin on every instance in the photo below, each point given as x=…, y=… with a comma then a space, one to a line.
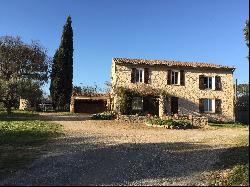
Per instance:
x=90, y=106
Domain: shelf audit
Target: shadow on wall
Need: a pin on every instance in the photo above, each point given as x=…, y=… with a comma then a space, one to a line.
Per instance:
x=188, y=107
x=119, y=164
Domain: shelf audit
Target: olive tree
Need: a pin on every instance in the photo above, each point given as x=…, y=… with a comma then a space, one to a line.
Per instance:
x=20, y=63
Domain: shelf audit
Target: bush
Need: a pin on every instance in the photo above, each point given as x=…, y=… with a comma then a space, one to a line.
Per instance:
x=126, y=99
x=180, y=124
x=103, y=116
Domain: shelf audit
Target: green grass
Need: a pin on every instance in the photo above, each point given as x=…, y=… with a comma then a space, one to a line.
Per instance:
x=58, y=113
x=229, y=125
x=15, y=114
x=233, y=166
x=21, y=142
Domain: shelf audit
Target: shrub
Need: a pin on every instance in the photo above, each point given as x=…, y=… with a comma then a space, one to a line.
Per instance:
x=126, y=99
x=182, y=124
x=103, y=116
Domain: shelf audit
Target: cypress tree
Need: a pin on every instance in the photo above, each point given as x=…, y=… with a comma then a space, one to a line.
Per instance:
x=62, y=70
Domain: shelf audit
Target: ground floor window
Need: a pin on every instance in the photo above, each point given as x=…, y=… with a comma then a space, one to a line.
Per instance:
x=137, y=103
x=209, y=105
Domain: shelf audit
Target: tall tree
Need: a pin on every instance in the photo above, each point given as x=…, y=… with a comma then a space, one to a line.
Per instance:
x=20, y=63
x=246, y=34
x=62, y=70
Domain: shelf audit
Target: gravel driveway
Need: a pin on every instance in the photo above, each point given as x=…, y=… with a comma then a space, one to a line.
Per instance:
x=113, y=153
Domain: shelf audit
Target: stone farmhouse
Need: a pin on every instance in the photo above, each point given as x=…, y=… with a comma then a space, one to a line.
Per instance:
x=165, y=87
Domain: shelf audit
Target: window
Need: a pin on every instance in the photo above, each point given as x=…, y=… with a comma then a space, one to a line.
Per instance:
x=137, y=103
x=209, y=83
x=175, y=77
x=209, y=105
x=139, y=75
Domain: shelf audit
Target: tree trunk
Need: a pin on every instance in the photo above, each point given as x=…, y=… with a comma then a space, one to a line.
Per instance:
x=8, y=109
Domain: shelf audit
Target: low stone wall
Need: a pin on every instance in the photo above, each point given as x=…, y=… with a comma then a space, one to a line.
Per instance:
x=131, y=118
x=197, y=121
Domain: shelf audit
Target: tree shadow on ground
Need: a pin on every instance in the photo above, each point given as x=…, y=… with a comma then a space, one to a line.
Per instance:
x=78, y=161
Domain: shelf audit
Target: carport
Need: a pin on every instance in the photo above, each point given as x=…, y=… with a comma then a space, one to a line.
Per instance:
x=89, y=104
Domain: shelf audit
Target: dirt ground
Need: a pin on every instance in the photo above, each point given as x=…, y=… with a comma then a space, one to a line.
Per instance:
x=115, y=153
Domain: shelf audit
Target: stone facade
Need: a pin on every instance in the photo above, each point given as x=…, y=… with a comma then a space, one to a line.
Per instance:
x=188, y=95
x=23, y=104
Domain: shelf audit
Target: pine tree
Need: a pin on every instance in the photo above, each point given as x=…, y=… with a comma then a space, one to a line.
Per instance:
x=62, y=70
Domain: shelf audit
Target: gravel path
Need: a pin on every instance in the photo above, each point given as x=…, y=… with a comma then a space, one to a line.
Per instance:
x=113, y=153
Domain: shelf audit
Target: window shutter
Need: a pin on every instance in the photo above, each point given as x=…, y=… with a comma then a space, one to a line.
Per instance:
x=217, y=83
x=133, y=72
x=169, y=77
x=146, y=75
x=182, y=77
x=218, y=106
x=201, y=82
x=201, y=105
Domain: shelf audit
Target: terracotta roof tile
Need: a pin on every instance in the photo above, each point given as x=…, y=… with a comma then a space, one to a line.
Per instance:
x=170, y=63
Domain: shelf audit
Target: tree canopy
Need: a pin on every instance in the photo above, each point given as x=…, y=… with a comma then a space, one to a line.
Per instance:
x=62, y=70
x=246, y=34
x=19, y=63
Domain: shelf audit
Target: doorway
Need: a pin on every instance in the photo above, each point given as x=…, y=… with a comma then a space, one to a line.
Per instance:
x=174, y=105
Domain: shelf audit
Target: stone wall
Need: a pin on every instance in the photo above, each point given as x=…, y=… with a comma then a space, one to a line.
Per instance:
x=23, y=104
x=197, y=121
x=188, y=95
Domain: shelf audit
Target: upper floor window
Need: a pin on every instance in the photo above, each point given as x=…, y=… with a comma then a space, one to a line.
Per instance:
x=139, y=75
x=175, y=77
x=210, y=82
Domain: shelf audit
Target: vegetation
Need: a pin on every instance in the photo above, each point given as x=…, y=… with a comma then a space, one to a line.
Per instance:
x=22, y=140
x=103, y=116
x=22, y=67
x=246, y=34
x=62, y=70
x=126, y=98
x=170, y=123
x=233, y=166
x=229, y=125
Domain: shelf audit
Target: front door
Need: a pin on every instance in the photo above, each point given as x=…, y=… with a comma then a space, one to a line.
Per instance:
x=174, y=105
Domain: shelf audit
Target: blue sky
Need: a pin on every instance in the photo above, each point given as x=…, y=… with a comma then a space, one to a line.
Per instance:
x=184, y=30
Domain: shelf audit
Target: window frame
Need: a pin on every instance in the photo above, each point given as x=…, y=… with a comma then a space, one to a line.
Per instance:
x=206, y=110
x=134, y=102
x=209, y=79
x=141, y=75
x=178, y=79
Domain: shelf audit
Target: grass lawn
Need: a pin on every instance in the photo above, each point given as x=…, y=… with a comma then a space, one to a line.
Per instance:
x=229, y=125
x=233, y=166
x=22, y=138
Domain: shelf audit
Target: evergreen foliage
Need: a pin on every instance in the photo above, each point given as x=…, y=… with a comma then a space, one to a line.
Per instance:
x=126, y=99
x=62, y=70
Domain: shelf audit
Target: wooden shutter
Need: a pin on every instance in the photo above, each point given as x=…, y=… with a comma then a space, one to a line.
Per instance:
x=201, y=82
x=218, y=106
x=133, y=72
x=201, y=105
x=146, y=75
x=182, y=78
x=218, y=83
x=169, y=77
